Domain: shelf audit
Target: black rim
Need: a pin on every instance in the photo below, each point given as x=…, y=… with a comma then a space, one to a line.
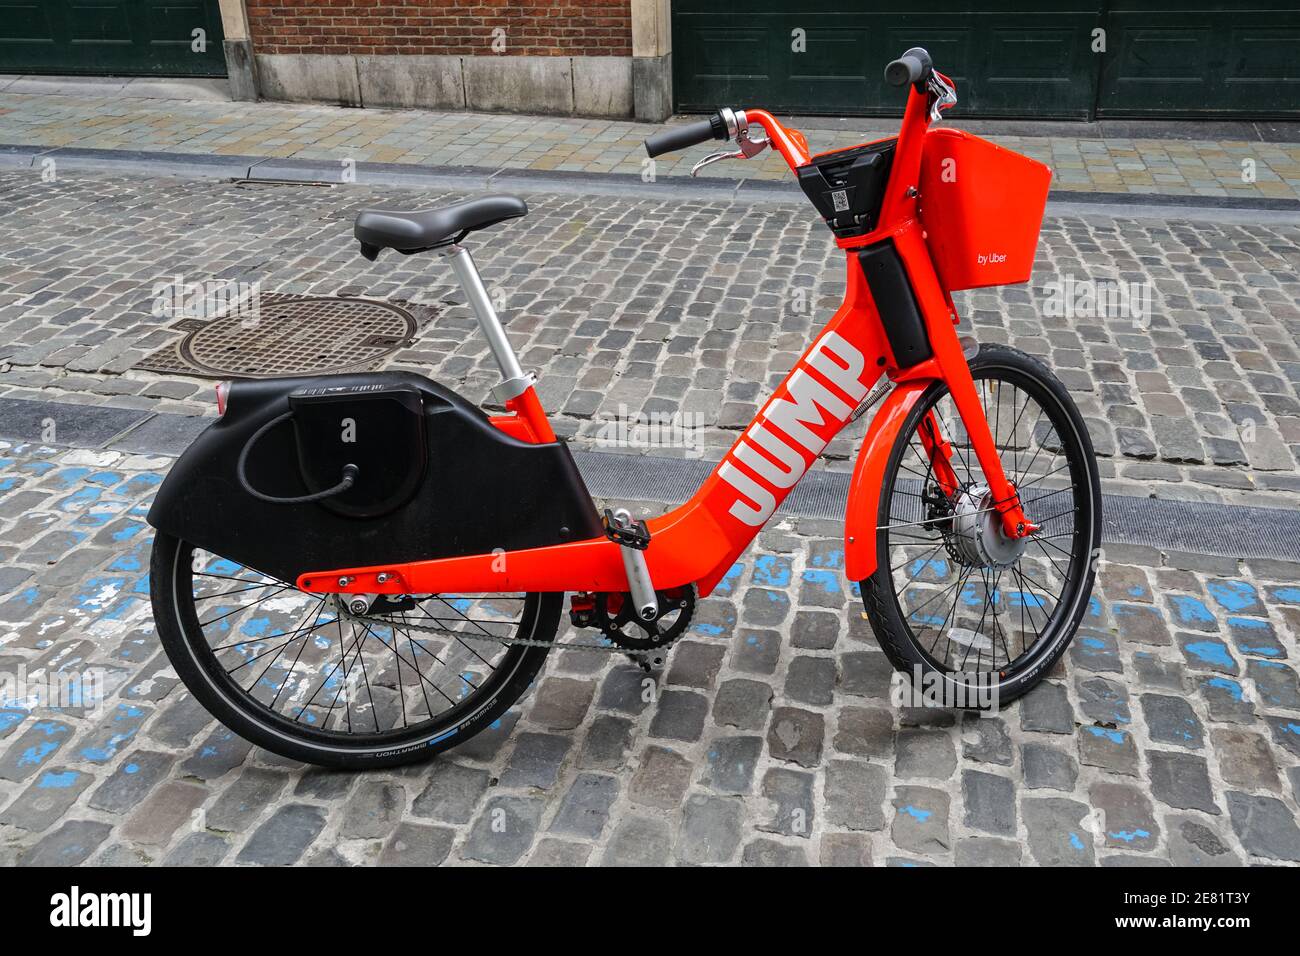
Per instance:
x=964, y=612
x=292, y=663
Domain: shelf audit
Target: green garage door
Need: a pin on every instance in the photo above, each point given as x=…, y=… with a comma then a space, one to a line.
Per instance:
x=1068, y=59
x=124, y=37
x=1178, y=57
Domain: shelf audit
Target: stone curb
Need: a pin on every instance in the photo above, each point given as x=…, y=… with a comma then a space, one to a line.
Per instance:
x=269, y=169
x=1175, y=527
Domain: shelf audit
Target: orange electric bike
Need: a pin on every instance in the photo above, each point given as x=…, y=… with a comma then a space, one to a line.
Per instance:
x=362, y=570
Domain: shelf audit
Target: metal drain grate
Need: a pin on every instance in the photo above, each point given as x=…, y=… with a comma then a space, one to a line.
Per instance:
x=1193, y=526
x=291, y=335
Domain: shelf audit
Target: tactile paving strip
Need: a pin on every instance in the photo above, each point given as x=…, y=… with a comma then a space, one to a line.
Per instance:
x=1190, y=526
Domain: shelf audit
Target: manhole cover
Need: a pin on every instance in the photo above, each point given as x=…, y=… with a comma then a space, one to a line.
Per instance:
x=291, y=335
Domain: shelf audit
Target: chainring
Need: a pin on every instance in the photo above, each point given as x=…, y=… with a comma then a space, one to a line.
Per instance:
x=654, y=634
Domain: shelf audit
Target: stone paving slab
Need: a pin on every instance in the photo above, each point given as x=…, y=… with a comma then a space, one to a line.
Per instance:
x=1208, y=167
x=1167, y=735
x=691, y=310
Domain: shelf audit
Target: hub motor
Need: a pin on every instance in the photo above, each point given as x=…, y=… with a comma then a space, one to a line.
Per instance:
x=975, y=537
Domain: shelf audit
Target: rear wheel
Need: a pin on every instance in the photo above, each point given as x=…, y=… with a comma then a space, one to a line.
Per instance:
x=953, y=598
x=292, y=672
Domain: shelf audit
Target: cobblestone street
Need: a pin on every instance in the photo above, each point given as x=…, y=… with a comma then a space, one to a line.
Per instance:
x=1170, y=732
x=665, y=306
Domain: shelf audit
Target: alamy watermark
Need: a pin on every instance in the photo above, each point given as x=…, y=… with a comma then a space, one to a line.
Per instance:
x=55, y=690
x=652, y=430
x=207, y=299
x=977, y=690
x=1070, y=297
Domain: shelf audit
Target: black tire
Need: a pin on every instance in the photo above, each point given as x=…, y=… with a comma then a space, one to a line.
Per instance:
x=903, y=635
x=196, y=662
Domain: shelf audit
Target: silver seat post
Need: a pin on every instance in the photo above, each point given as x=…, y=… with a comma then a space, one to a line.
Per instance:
x=514, y=381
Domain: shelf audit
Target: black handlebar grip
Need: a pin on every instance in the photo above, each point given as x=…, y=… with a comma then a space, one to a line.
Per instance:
x=912, y=67
x=692, y=134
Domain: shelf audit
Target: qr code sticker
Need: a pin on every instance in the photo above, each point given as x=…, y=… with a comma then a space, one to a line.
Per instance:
x=840, y=199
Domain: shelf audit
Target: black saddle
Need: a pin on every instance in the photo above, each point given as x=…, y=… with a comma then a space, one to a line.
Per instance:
x=409, y=232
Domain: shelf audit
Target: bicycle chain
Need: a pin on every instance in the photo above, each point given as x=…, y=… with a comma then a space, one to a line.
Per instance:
x=612, y=648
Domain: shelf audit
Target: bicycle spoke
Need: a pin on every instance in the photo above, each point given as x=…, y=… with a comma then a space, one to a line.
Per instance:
x=984, y=632
x=309, y=666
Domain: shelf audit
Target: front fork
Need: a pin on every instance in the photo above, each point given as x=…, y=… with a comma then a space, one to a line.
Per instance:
x=949, y=363
x=1006, y=497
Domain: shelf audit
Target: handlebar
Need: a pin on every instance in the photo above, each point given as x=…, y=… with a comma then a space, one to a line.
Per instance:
x=692, y=134
x=913, y=67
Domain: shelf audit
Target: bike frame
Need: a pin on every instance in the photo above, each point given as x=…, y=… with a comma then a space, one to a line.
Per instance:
x=698, y=542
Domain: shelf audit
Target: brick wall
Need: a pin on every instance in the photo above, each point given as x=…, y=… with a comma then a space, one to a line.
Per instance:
x=450, y=27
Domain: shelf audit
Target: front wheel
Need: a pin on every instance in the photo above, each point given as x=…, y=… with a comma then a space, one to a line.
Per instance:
x=294, y=673
x=953, y=601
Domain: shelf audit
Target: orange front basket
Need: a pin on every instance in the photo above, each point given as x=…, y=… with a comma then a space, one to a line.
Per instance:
x=982, y=207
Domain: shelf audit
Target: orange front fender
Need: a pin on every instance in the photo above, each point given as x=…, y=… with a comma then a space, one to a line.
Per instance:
x=862, y=513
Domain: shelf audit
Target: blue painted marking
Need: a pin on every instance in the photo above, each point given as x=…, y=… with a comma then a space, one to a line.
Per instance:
x=939, y=565
x=83, y=498
x=1233, y=595
x=50, y=780
x=131, y=768
x=728, y=583
x=1128, y=836
x=127, y=562
x=1114, y=736
x=1289, y=595
x=828, y=581
x=771, y=570
x=1231, y=686
x=127, y=531
x=69, y=477
x=917, y=812
x=255, y=627
x=1260, y=651
x=711, y=629
x=1250, y=624
x=1212, y=652
x=34, y=755
x=1191, y=610
x=831, y=559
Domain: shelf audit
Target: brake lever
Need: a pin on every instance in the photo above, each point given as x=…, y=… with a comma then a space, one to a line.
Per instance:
x=945, y=96
x=748, y=149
